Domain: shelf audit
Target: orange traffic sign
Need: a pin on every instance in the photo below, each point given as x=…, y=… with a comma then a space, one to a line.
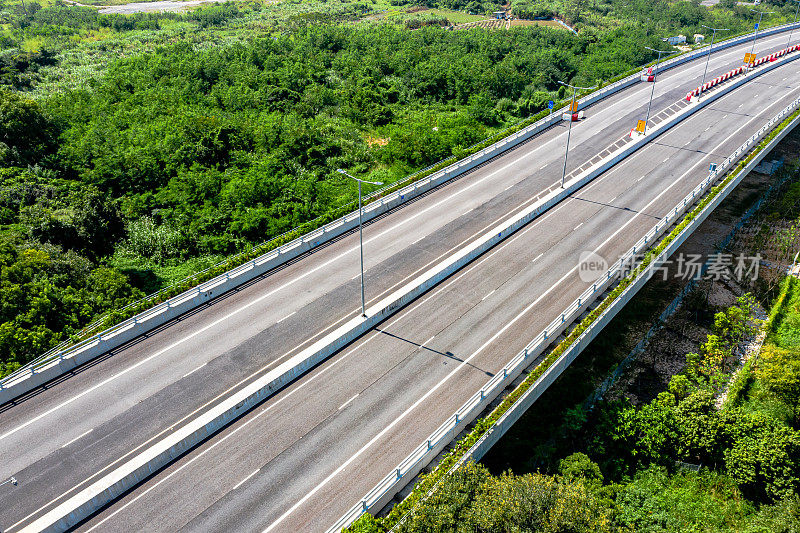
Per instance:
x=640, y=126
x=574, y=107
x=749, y=58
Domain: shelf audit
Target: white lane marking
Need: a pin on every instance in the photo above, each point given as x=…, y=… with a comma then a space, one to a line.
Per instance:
x=492, y=292
x=356, y=276
x=665, y=160
x=78, y=437
x=287, y=316
x=425, y=344
x=195, y=370
x=415, y=242
x=537, y=257
x=468, y=359
x=504, y=190
x=345, y=404
x=578, y=226
x=245, y=479
x=617, y=196
x=542, y=167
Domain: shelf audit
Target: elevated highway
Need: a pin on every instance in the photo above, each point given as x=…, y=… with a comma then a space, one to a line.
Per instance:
x=304, y=456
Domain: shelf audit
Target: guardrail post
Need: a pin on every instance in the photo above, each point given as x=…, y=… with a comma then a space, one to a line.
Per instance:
x=364, y=505
x=457, y=420
x=429, y=444
x=399, y=475
x=505, y=372
x=483, y=393
x=579, y=304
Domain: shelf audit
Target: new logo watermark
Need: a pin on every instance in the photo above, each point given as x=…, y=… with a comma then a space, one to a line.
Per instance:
x=591, y=266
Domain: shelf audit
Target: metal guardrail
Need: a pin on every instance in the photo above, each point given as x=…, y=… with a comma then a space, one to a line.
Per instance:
x=475, y=404
x=68, y=349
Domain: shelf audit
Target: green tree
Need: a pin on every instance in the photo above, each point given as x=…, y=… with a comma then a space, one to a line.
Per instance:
x=778, y=369
x=26, y=133
x=765, y=462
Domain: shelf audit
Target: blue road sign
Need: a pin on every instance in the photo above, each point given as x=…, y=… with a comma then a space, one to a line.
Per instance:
x=551, y=104
x=712, y=167
x=756, y=26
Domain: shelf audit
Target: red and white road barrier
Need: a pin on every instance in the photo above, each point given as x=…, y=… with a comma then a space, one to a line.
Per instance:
x=574, y=117
x=735, y=72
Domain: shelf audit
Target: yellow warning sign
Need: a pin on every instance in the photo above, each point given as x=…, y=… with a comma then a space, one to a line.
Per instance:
x=574, y=107
x=749, y=58
x=640, y=126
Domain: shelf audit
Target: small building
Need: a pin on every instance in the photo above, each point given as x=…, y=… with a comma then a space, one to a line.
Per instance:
x=699, y=38
x=677, y=39
x=500, y=15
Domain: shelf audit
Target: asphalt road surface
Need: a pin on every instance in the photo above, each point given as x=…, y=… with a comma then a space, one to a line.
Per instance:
x=307, y=454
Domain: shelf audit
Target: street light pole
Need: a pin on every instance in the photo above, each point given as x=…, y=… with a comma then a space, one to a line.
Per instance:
x=360, y=234
x=569, y=130
x=758, y=27
x=653, y=90
x=789, y=42
x=708, y=57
